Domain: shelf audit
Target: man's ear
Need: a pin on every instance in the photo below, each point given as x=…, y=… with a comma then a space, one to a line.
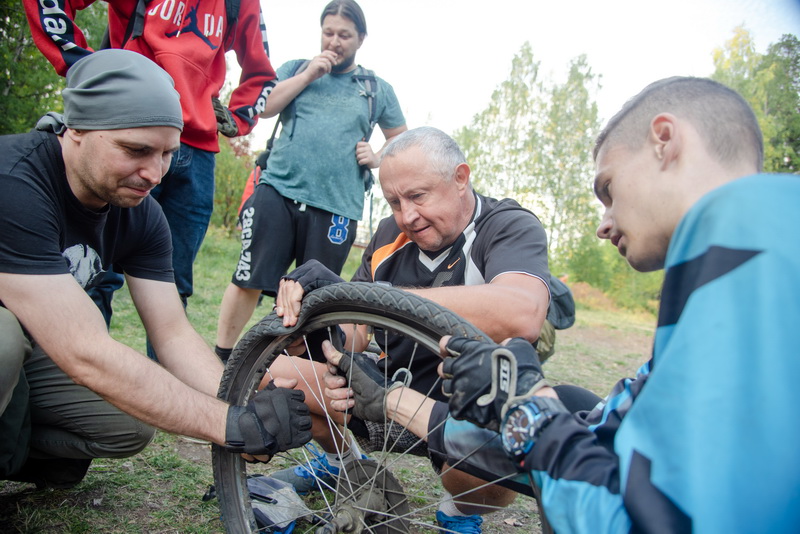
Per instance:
x=665, y=138
x=462, y=176
x=74, y=135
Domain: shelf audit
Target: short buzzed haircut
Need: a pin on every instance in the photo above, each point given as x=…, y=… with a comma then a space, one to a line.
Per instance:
x=442, y=150
x=722, y=117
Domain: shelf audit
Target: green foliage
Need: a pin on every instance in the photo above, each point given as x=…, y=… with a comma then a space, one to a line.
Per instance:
x=159, y=489
x=497, y=142
x=93, y=22
x=230, y=174
x=567, y=169
x=591, y=261
x=771, y=84
x=782, y=61
x=634, y=290
x=532, y=144
x=599, y=264
x=29, y=85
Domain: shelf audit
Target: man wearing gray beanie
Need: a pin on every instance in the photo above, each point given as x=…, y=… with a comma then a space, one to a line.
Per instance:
x=76, y=199
x=191, y=41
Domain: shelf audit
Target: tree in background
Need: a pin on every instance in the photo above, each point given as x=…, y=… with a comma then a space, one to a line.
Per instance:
x=783, y=90
x=771, y=84
x=498, y=143
x=534, y=143
x=29, y=86
x=566, y=168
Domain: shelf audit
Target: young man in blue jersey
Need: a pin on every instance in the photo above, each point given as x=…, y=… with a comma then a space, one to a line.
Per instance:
x=702, y=439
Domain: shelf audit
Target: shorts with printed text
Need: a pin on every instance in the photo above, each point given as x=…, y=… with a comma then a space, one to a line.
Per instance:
x=277, y=231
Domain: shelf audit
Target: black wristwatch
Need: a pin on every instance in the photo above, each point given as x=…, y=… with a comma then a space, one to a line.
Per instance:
x=524, y=423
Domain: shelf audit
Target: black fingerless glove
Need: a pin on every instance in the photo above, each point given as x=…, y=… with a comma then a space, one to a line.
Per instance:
x=226, y=125
x=275, y=420
x=313, y=275
x=515, y=371
x=369, y=385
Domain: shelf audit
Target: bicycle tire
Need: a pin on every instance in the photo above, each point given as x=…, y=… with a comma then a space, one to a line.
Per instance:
x=383, y=307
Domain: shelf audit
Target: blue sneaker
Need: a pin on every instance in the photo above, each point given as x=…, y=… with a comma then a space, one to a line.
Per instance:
x=315, y=475
x=309, y=476
x=461, y=524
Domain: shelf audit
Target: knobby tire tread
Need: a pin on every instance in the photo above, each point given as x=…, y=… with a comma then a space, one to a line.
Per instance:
x=417, y=313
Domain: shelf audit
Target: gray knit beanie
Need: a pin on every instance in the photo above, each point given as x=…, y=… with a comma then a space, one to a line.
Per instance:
x=114, y=89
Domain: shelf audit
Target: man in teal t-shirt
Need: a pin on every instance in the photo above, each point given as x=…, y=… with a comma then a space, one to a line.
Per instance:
x=311, y=195
x=314, y=160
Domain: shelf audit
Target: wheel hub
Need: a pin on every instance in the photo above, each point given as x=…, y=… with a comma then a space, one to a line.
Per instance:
x=369, y=499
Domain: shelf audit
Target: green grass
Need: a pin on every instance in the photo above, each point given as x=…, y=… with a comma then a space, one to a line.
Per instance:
x=160, y=490
x=600, y=348
x=157, y=491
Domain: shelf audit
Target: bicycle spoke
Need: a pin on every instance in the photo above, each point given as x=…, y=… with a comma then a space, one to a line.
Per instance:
x=368, y=492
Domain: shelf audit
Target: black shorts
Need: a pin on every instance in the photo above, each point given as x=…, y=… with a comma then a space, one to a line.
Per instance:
x=277, y=231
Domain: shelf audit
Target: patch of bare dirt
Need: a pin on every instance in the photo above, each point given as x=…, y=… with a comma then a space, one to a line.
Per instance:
x=194, y=450
x=592, y=297
x=611, y=340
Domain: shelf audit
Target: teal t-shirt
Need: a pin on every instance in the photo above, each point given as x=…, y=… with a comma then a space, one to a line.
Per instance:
x=313, y=160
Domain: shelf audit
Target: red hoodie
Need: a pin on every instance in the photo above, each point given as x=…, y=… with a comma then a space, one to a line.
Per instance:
x=188, y=39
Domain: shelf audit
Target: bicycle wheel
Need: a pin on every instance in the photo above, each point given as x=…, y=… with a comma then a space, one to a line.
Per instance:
x=368, y=496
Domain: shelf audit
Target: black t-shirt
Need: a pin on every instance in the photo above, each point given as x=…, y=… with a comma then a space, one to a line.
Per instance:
x=44, y=229
x=502, y=238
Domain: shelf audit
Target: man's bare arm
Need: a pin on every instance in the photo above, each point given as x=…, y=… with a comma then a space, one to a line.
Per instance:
x=180, y=348
x=511, y=305
x=70, y=329
x=403, y=405
x=287, y=90
x=364, y=153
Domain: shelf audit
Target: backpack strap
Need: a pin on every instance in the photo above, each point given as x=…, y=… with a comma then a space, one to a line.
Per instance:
x=288, y=111
x=232, y=11
x=367, y=79
x=370, y=88
x=135, y=26
x=232, y=17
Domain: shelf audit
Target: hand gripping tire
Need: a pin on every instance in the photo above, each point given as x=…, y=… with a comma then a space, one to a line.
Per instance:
x=369, y=481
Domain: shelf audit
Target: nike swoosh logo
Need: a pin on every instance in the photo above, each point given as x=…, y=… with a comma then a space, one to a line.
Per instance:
x=451, y=265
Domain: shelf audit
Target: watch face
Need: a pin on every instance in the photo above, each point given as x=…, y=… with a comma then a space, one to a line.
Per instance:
x=518, y=431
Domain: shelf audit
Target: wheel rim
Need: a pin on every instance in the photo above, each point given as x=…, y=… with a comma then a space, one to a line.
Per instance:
x=372, y=481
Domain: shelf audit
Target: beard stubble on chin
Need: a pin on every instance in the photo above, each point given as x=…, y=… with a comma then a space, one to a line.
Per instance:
x=346, y=63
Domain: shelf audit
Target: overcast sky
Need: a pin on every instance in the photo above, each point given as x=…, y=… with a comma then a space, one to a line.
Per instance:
x=445, y=57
